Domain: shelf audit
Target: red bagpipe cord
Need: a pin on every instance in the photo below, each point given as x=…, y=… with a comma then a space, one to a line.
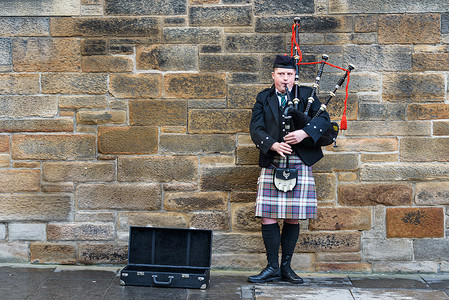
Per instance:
x=344, y=122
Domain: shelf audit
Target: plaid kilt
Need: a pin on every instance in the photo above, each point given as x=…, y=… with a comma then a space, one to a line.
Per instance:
x=300, y=203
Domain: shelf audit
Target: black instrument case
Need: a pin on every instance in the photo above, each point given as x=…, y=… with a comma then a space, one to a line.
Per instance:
x=168, y=257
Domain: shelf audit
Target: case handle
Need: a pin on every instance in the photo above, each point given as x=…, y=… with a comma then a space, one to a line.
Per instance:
x=165, y=283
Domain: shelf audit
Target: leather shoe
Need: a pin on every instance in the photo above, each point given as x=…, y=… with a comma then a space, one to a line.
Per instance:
x=266, y=275
x=289, y=275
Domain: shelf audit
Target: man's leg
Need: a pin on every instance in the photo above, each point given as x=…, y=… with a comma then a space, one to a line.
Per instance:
x=290, y=234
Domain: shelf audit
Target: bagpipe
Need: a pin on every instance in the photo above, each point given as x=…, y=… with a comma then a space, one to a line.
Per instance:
x=296, y=119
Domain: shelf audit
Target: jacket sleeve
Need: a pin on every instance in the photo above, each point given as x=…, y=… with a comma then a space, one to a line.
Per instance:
x=258, y=129
x=319, y=125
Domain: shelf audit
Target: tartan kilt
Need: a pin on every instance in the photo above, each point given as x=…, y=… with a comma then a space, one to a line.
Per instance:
x=300, y=203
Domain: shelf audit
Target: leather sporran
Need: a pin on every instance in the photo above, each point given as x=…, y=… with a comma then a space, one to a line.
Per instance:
x=285, y=179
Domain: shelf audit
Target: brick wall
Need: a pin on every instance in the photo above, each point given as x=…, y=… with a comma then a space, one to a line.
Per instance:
x=135, y=112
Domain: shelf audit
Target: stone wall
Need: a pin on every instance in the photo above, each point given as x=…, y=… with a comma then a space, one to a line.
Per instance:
x=135, y=112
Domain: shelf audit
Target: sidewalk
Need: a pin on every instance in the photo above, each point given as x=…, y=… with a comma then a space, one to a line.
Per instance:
x=32, y=282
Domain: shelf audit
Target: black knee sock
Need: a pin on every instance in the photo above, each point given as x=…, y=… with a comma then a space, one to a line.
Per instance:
x=272, y=240
x=290, y=234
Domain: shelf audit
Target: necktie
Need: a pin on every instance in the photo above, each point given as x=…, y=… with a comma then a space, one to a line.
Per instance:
x=283, y=99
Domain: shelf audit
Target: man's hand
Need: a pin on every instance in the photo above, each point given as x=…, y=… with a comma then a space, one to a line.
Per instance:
x=296, y=137
x=281, y=148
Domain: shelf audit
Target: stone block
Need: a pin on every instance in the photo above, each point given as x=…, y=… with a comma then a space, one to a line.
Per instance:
x=410, y=222
x=341, y=218
x=309, y=24
x=19, y=181
x=19, y=84
x=243, y=96
x=28, y=106
x=119, y=196
x=228, y=63
x=413, y=87
x=83, y=216
x=300, y=261
x=431, y=62
x=29, y=231
x=101, y=117
x=41, y=8
x=74, y=83
x=395, y=29
x=145, y=7
x=191, y=35
x=325, y=186
x=430, y=111
x=441, y=128
x=243, y=197
x=104, y=63
x=14, y=252
x=345, y=241
x=26, y=164
x=196, y=143
x=57, y=147
x=445, y=23
x=5, y=160
x=374, y=157
x=128, y=140
x=191, y=86
x=161, y=219
x=343, y=267
x=432, y=193
x=104, y=253
x=365, y=23
x=94, y=46
x=80, y=102
x=191, y=201
x=51, y=253
x=167, y=57
x=387, y=7
x=36, y=125
x=218, y=221
x=337, y=162
x=112, y=26
x=339, y=257
x=4, y=143
x=244, y=218
x=24, y=26
x=379, y=57
x=219, y=120
x=387, y=250
x=247, y=155
x=384, y=111
x=158, y=169
x=431, y=249
x=394, y=128
x=288, y=7
x=2, y=232
x=424, y=149
x=240, y=178
x=222, y=16
x=404, y=172
x=35, y=207
x=406, y=267
x=46, y=55
x=5, y=54
x=237, y=243
x=158, y=112
x=135, y=85
x=372, y=194
x=372, y=144
x=80, y=232
x=78, y=171
x=251, y=43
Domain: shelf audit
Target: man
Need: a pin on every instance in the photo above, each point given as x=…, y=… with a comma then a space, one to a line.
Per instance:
x=272, y=204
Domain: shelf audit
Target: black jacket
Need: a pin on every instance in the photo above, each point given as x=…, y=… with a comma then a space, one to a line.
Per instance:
x=266, y=129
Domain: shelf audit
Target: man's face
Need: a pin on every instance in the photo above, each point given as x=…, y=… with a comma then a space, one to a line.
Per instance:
x=283, y=76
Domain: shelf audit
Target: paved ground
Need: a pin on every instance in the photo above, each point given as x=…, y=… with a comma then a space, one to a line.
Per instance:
x=59, y=282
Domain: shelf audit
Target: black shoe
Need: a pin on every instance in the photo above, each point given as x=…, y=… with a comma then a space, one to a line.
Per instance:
x=289, y=275
x=266, y=275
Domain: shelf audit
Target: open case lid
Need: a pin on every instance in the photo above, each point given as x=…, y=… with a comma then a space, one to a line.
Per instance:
x=170, y=247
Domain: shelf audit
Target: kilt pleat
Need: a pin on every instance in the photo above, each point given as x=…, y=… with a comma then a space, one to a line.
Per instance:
x=300, y=203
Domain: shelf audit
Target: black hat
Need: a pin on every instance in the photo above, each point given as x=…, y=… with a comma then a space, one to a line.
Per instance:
x=284, y=61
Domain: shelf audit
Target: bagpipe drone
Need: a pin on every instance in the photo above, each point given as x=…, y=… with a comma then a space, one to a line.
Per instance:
x=296, y=119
